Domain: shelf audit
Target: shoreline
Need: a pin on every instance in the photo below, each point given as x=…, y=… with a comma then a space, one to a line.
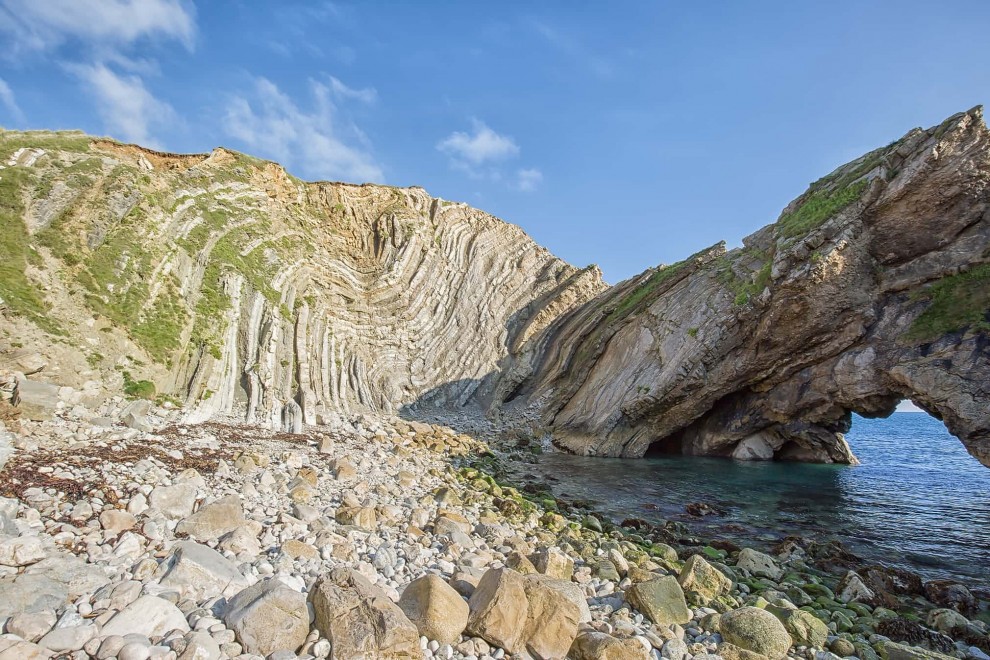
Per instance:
x=183, y=518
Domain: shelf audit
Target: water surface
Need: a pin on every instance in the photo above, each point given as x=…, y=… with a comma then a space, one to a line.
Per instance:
x=918, y=500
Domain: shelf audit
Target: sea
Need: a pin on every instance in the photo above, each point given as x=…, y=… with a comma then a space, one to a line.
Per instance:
x=918, y=500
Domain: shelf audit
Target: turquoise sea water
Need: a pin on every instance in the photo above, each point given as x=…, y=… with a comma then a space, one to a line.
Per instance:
x=918, y=500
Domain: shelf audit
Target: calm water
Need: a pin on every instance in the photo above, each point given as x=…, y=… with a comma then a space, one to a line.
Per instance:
x=918, y=499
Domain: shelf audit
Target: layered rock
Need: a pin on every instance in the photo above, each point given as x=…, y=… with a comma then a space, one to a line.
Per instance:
x=872, y=287
x=227, y=284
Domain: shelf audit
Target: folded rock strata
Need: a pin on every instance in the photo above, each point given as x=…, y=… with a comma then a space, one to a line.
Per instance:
x=228, y=285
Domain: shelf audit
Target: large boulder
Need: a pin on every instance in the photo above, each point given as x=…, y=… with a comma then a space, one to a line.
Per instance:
x=24, y=594
x=36, y=401
x=360, y=620
x=22, y=551
x=175, y=502
x=593, y=645
x=804, y=628
x=702, y=582
x=553, y=562
x=498, y=609
x=213, y=520
x=199, y=572
x=759, y=564
x=897, y=651
x=950, y=594
x=524, y=613
x=661, y=600
x=268, y=617
x=150, y=616
x=756, y=630
x=851, y=588
x=435, y=608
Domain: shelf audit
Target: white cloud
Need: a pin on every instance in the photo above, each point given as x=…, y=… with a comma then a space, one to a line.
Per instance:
x=321, y=142
x=528, y=179
x=366, y=95
x=125, y=105
x=478, y=148
x=9, y=102
x=101, y=24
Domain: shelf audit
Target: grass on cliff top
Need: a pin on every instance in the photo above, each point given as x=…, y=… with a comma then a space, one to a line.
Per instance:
x=744, y=289
x=817, y=208
x=957, y=302
x=18, y=292
x=633, y=299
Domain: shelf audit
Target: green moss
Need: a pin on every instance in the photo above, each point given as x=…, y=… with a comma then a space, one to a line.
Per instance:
x=138, y=389
x=18, y=292
x=693, y=332
x=956, y=303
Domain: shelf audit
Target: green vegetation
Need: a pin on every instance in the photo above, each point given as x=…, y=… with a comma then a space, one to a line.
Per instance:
x=818, y=207
x=744, y=289
x=159, y=331
x=957, y=302
x=693, y=332
x=632, y=300
x=17, y=291
x=11, y=141
x=138, y=389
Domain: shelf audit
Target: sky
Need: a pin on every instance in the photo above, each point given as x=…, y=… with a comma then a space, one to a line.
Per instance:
x=626, y=134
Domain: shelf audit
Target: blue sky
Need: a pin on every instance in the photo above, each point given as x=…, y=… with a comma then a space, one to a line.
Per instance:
x=625, y=134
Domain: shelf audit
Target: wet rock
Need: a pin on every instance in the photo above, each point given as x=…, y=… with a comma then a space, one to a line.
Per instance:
x=897, y=651
x=950, y=594
x=851, y=588
x=759, y=564
x=435, y=608
x=661, y=600
x=360, y=620
x=268, y=617
x=755, y=630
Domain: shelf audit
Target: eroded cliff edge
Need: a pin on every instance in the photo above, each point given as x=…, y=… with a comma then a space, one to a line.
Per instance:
x=236, y=288
x=873, y=286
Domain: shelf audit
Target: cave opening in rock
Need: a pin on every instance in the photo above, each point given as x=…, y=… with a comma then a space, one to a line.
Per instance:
x=669, y=446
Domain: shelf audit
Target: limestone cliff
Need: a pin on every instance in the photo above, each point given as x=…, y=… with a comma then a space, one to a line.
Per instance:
x=237, y=288
x=871, y=287
x=225, y=283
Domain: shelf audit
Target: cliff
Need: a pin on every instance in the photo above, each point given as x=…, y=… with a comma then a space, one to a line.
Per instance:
x=873, y=286
x=224, y=283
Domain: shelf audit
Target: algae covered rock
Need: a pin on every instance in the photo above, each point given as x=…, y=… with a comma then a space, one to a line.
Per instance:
x=702, y=582
x=661, y=600
x=755, y=630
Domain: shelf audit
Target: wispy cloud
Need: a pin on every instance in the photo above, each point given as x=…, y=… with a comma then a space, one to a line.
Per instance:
x=105, y=34
x=481, y=146
x=366, y=95
x=321, y=141
x=124, y=102
x=482, y=153
x=99, y=24
x=571, y=46
x=528, y=179
x=9, y=102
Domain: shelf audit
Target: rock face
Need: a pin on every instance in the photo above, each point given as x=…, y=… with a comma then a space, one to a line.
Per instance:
x=870, y=288
x=245, y=291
